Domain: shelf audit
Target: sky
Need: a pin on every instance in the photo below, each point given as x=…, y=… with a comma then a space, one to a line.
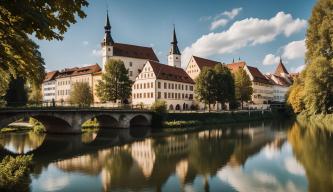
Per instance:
x=256, y=31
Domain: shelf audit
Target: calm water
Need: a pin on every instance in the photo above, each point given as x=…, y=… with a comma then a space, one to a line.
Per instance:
x=262, y=156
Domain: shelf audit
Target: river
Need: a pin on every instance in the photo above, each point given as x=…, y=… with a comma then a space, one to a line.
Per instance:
x=257, y=156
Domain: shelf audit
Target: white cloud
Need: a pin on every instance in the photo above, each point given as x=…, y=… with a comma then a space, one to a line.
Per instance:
x=297, y=69
x=271, y=59
x=246, y=32
x=294, y=50
x=293, y=167
x=233, y=13
x=85, y=43
x=218, y=23
x=97, y=52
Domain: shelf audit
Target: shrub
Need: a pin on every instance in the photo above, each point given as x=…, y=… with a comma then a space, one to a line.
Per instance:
x=160, y=109
x=36, y=125
x=14, y=173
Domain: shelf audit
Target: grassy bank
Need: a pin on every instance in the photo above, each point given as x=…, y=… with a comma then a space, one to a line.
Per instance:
x=318, y=121
x=176, y=120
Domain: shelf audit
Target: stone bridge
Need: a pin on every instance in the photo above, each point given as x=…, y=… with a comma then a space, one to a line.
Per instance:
x=70, y=120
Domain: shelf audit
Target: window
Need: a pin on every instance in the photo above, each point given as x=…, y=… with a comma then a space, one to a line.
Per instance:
x=130, y=64
x=159, y=95
x=144, y=85
x=151, y=95
x=152, y=85
x=191, y=88
x=159, y=85
x=165, y=95
x=186, y=87
x=165, y=85
x=130, y=73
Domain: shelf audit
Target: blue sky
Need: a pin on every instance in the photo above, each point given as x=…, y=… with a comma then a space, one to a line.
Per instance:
x=257, y=31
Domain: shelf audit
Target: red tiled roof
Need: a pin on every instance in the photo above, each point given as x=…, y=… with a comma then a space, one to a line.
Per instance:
x=257, y=75
x=134, y=51
x=235, y=66
x=202, y=62
x=79, y=71
x=278, y=80
x=166, y=72
x=280, y=69
x=50, y=75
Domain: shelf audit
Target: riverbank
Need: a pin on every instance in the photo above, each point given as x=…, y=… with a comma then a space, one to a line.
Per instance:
x=188, y=119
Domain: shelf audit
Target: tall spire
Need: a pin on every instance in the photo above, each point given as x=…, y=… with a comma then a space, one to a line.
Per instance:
x=107, y=32
x=174, y=50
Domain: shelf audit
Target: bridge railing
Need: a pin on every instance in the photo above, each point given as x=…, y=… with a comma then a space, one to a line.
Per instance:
x=67, y=105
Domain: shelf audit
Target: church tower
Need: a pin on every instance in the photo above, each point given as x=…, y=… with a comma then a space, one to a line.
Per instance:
x=174, y=57
x=107, y=43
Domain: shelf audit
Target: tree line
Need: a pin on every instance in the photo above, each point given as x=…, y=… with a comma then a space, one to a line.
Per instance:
x=312, y=91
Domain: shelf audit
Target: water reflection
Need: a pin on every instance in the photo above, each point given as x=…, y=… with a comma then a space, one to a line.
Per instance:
x=21, y=143
x=259, y=156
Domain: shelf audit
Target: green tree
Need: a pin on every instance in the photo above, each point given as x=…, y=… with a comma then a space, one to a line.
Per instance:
x=243, y=86
x=115, y=83
x=318, y=86
x=81, y=94
x=295, y=96
x=16, y=94
x=224, y=84
x=205, y=86
x=19, y=22
x=319, y=36
x=35, y=94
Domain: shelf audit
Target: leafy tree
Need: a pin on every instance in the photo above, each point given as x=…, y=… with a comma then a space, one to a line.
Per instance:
x=21, y=20
x=224, y=83
x=318, y=86
x=243, y=88
x=319, y=37
x=16, y=94
x=81, y=94
x=35, y=94
x=159, y=106
x=115, y=83
x=295, y=96
x=205, y=86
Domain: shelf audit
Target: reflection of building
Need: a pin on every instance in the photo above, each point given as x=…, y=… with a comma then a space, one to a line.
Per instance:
x=144, y=155
x=181, y=170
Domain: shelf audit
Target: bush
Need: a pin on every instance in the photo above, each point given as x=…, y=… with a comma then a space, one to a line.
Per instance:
x=160, y=109
x=81, y=94
x=36, y=125
x=14, y=173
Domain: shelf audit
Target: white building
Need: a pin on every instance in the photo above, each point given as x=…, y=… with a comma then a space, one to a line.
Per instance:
x=165, y=82
x=281, y=81
x=133, y=56
x=49, y=86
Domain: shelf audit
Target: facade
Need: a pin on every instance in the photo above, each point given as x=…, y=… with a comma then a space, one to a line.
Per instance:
x=49, y=86
x=66, y=78
x=196, y=64
x=164, y=82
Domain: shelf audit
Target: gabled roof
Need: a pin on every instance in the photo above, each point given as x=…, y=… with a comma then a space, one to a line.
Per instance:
x=257, y=75
x=91, y=69
x=280, y=69
x=170, y=73
x=134, y=51
x=235, y=66
x=50, y=75
x=278, y=80
x=202, y=62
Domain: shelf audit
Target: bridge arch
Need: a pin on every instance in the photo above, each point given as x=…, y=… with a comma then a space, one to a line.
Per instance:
x=139, y=121
x=104, y=120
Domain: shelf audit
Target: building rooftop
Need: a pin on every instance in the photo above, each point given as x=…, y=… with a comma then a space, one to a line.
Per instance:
x=91, y=69
x=166, y=72
x=257, y=75
x=281, y=69
x=50, y=75
x=202, y=62
x=235, y=66
x=134, y=51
